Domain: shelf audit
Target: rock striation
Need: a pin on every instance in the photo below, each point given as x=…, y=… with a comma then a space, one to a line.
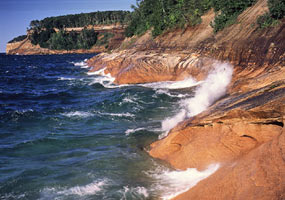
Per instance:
x=244, y=130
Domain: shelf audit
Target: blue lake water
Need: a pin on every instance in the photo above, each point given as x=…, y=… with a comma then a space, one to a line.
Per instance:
x=65, y=134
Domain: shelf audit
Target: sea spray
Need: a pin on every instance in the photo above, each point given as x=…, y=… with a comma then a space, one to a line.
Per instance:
x=211, y=89
x=169, y=183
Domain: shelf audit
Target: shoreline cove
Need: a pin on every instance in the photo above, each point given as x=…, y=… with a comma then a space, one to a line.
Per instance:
x=235, y=117
x=189, y=114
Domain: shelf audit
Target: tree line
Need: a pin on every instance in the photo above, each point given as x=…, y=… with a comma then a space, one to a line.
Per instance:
x=43, y=32
x=63, y=40
x=161, y=15
x=155, y=15
x=81, y=20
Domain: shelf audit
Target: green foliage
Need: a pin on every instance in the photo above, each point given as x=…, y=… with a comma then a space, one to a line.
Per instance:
x=41, y=37
x=228, y=12
x=161, y=15
x=81, y=20
x=277, y=8
x=18, y=39
x=221, y=21
x=65, y=40
x=271, y=18
x=266, y=20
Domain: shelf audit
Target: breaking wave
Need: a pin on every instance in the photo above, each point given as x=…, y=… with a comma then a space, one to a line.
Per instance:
x=86, y=190
x=81, y=64
x=173, y=183
x=129, y=131
x=134, y=193
x=210, y=90
x=78, y=114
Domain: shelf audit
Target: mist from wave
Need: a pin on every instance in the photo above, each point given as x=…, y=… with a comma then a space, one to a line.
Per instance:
x=210, y=90
x=67, y=133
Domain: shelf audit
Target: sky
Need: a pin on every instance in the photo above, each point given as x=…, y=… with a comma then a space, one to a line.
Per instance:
x=15, y=15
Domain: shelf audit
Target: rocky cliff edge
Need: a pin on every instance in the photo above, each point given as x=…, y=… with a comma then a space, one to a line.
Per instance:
x=243, y=130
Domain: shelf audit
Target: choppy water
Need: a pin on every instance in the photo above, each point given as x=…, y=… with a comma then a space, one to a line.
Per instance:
x=65, y=134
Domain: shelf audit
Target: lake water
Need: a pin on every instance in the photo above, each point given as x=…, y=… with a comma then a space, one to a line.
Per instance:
x=67, y=134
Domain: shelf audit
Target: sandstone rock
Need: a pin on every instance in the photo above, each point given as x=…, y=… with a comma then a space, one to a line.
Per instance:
x=244, y=130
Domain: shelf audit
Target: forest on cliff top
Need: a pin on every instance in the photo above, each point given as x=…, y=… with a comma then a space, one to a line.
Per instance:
x=163, y=15
x=158, y=16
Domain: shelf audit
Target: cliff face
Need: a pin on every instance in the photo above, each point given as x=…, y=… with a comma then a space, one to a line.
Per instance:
x=25, y=47
x=243, y=131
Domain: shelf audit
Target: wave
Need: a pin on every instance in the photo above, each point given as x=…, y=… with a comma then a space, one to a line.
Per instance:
x=173, y=183
x=134, y=193
x=210, y=90
x=65, y=79
x=98, y=72
x=129, y=131
x=104, y=79
x=78, y=114
x=81, y=64
x=118, y=114
x=86, y=190
x=162, y=91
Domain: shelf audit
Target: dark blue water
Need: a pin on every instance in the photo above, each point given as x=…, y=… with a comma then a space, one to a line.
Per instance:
x=65, y=135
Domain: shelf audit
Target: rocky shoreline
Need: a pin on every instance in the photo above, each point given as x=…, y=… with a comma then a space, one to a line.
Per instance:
x=243, y=131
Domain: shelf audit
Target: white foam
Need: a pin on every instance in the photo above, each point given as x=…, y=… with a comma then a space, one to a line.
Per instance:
x=134, y=193
x=86, y=190
x=214, y=87
x=65, y=79
x=89, y=189
x=98, y=72
x=81, y=64
x=172, y=183
x=129, y=131
x=130, y=99
x=78, y=114
x=189, y=82
x=166, y=91
x=104, y=79
x=118, y=114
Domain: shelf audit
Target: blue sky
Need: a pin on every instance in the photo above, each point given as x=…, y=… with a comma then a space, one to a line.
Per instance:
x=15, y=15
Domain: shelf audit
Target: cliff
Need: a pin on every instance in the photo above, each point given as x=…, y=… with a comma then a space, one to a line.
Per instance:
x=25, y=47
x=243, y=130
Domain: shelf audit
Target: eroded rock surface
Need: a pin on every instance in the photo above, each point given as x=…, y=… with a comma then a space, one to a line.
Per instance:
x=244, y=130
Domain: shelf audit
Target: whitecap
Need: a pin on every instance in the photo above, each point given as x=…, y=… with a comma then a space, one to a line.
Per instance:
x=162, y=91
x=118, y=114
x=78, y=114
x=129, y=131
x=89, y=189
x=172, y=183
x=134, y=193
x=104, y=79
x=81, y=64
x=86, y=190
x=65, y=79
x=129, y=100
